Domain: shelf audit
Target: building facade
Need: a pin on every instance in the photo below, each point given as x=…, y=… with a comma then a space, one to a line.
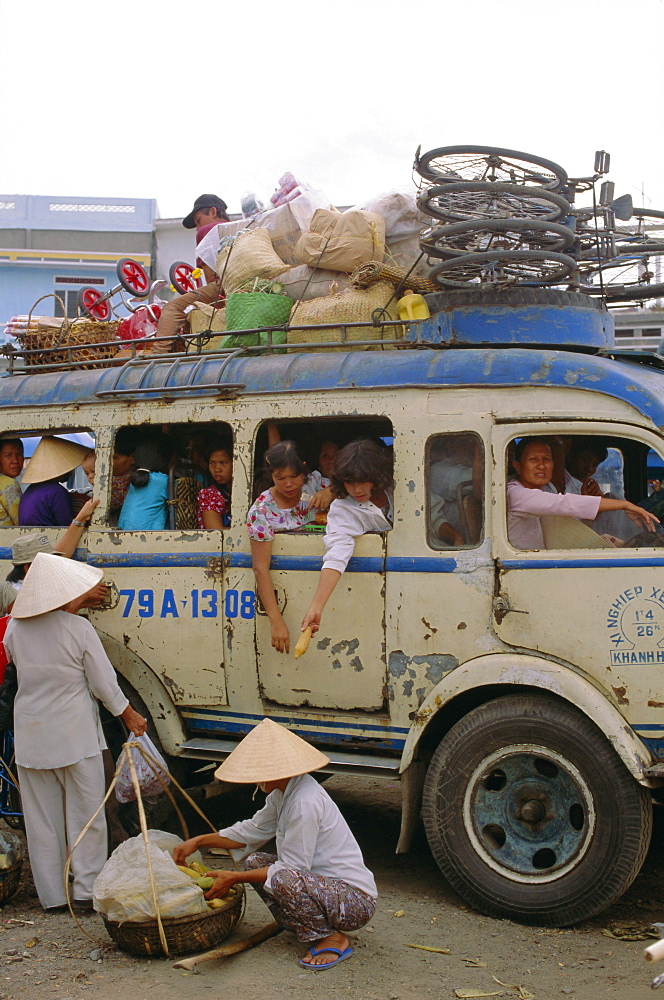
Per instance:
x=57, y=245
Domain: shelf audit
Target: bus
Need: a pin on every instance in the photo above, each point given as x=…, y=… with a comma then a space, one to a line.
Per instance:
x=516, y=693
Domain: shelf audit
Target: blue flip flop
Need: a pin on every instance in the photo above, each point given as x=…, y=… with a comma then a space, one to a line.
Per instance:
x=326, y=965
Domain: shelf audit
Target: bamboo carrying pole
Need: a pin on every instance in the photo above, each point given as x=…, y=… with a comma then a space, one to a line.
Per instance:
x=270, y=930
x=158, y=771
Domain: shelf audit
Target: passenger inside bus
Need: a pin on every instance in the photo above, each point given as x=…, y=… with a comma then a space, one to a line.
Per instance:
x=46, y=502
x=289, y=504
x=455, y=490
x=146, y=505
x=363, y=488
x=11, y=466
x=584, y=455
x=214, y=501
x=528, y=498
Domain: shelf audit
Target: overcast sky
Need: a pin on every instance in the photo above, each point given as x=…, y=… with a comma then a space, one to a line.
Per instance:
x=135, y=98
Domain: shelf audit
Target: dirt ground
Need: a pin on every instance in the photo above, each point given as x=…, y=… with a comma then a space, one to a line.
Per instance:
x=50, y=957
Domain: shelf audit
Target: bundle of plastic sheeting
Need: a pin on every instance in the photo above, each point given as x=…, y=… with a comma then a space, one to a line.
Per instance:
x=123, y=890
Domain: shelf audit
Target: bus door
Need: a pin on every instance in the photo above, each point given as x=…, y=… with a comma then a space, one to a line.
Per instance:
x=587, y=602
x=166, y=602
x=344, y=667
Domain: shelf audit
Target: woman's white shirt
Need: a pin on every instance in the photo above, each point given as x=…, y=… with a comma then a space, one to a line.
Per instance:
x=62, y=669
x=346, y=520
x=311, y=835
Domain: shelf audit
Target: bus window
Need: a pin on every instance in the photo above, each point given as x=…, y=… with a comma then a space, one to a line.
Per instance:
x=55, y=489
x=187, y=474
x=317, y=443
x=575, y=473
x=455, y=485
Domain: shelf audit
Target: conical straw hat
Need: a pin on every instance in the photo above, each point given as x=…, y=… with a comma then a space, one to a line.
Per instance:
x=53, y=457
x=268, y=753
x=51, y=582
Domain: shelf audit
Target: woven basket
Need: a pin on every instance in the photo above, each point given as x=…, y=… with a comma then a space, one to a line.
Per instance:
x=49, y=340
x=252, y=311
x=197, y=932
x=10, y=879
x=353, y=305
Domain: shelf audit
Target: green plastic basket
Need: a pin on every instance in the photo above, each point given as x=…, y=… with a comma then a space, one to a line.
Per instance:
x=253, y=310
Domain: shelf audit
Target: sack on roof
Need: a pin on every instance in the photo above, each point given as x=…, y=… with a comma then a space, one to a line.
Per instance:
x=341, y=241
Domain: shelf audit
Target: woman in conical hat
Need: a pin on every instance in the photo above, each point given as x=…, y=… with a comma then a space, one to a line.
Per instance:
x=317, y=885
x=46, y=502
x=62, y=669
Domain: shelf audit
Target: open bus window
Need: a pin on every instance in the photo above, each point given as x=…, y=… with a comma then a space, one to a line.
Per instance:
x=185, y=480
x=566, y=469
x=57, y=486
x=317, y=443
x=455, y=489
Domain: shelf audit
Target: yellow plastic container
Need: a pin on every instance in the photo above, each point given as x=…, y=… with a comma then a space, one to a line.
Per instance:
x=412, y=306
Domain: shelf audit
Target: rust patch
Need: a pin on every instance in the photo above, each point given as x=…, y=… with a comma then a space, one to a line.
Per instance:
x=461, y=626
x=176, y=690
x=656, y=704
x=429, y=626
x=620, y=695
x=214, y=569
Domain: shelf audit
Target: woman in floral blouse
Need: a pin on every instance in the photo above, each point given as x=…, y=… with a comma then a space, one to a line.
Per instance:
x=285, y=506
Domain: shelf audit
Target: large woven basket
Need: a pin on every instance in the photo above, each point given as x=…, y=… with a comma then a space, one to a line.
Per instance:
x=49, y=339
x=10, y=879
x=183, y=934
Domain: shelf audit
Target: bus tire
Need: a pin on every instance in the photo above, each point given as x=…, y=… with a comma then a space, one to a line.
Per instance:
x=531, y=815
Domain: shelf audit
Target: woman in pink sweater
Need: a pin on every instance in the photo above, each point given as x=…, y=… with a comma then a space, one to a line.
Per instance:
x=528, y=499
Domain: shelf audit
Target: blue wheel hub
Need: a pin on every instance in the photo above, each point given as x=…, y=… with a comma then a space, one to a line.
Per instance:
x=529, y=813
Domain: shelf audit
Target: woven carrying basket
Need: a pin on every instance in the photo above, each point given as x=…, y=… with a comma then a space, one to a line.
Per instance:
x=353, y=305
x=10, y=879
x=49, y=340
x=197, y=932
x=253, y=310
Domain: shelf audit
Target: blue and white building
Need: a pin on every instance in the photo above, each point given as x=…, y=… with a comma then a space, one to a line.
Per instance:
x=61, y=244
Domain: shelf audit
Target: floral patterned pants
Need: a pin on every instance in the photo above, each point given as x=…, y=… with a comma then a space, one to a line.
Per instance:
x=309, y=905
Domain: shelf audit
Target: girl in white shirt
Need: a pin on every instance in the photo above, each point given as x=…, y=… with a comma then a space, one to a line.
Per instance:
x=362, y=483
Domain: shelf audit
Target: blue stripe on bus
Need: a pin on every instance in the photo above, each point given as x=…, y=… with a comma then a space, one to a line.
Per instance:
x=238, y=560
x=291, y=720
x=220, y=725
x=601, y=563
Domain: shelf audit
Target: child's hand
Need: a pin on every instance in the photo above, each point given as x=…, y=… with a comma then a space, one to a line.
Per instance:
x=322, y=499
x=311, y=620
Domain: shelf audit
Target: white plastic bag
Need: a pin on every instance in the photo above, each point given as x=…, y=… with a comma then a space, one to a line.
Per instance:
x=146, y=772
x=122, y=890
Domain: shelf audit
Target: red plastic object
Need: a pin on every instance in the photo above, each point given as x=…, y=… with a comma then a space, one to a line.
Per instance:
x=4, y=660
x=89, y=301
x=140, y=324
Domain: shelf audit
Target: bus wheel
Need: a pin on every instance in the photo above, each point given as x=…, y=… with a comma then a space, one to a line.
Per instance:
x=530, y=814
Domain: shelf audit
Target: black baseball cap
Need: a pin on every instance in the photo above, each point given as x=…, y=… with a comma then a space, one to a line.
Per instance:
x=204, y=201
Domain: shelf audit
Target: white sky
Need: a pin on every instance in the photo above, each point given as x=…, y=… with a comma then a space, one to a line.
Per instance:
x=137, y=98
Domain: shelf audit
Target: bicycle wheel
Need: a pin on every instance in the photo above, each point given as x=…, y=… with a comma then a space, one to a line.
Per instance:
x=465, y=201
x=486, y=163
x=635, y=269
x=495, y=234
x=646, y=224
x=498, y=267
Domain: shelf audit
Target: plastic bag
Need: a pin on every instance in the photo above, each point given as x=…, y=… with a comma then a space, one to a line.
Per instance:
x=400, y=211
x=145, y=771
x=11, y=849
x=122, y=890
